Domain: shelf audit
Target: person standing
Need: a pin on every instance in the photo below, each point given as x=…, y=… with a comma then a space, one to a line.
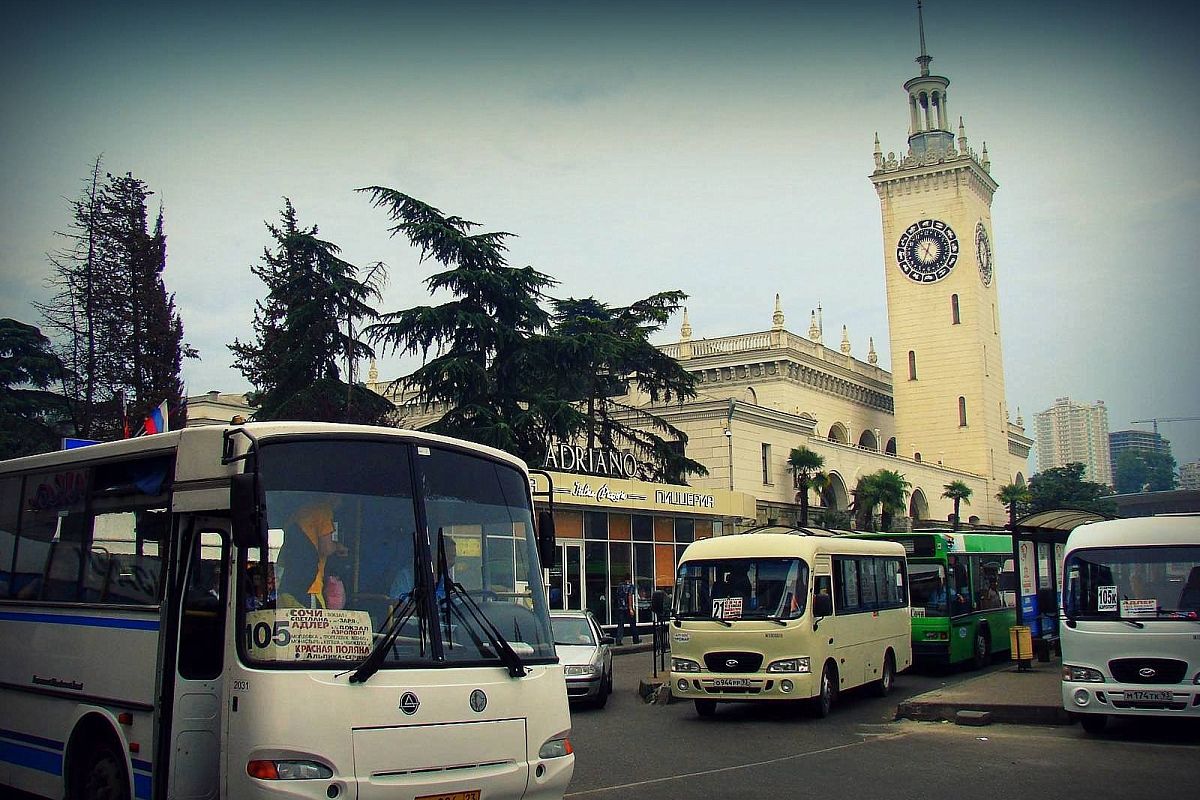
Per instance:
x=625, y=605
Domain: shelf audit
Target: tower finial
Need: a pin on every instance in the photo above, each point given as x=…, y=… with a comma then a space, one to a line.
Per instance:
x=924, y=58
x=685, y=330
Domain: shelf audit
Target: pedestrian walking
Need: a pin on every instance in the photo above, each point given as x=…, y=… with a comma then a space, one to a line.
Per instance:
x=625, y=601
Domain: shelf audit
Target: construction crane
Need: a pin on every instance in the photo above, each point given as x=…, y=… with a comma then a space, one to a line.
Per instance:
x=1157, y=420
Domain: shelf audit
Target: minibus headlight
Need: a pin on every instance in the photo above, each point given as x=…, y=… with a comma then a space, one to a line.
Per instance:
x=288, y=770
x=557, y=746
x=1087, y=674
x=789, y=665
x=684, y=665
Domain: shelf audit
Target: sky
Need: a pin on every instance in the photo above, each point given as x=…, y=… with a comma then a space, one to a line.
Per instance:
x=722, y=149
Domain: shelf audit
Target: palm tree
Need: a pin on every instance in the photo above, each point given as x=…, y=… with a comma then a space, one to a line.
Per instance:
x=1013, y=496
x=959, y=492
x=804, y=464
x=866, y=497
x=891, y=489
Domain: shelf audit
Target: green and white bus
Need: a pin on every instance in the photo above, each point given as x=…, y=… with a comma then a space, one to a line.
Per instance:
x=963, y=592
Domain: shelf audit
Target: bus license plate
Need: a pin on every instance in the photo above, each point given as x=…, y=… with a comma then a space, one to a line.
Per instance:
x=730, y=682
x=472, y=794
x=1148, y=696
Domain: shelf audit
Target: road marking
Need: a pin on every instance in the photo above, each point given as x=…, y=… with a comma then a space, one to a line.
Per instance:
x=733, y=768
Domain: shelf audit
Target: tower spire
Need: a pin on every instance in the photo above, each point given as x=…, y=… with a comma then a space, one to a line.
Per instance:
x=924, y=58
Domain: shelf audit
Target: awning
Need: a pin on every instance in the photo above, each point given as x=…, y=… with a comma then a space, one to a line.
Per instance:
x=1055, y=525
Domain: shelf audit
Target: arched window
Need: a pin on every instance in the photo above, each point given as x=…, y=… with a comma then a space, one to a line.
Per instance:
x=962, y=412
x=916, y=456
x=954, y=318
x=912, y=365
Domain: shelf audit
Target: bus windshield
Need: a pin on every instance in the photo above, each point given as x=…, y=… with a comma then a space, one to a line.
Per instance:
x=344, y=558
x=742, y=588
x=928, y=582
x=1160, y=582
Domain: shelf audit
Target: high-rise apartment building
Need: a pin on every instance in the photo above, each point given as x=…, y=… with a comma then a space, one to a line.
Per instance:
x=1070, y=432
x=1138, y=441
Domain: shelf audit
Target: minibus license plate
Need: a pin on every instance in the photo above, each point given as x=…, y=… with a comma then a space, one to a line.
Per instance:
x=472, y=794
x=1147, y=696
x=720, y=682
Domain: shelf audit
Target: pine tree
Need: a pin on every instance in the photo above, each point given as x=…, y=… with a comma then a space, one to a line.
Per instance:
x=293, y=360
x=32, y=419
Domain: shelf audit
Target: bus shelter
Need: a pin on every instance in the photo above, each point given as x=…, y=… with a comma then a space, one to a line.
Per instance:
x=1039, y=544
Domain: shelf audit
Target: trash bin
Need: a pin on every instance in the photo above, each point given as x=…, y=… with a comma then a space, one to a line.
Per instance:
x=1020, y=642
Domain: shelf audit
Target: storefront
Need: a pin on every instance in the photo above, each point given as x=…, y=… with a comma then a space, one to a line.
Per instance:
x=613, y=528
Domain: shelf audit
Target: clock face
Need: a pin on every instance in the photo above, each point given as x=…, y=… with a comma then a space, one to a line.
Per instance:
x=927, y=251
x=983, y=254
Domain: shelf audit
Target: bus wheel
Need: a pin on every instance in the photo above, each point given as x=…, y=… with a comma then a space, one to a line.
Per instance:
x=706, y=708
x=1093, y=723
x=980, y=650
x=100, y=776
x=823, y=702
x=883, y=686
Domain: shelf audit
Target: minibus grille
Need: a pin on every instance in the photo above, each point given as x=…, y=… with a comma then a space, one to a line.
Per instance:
x=1148, y=670
x=733, y=661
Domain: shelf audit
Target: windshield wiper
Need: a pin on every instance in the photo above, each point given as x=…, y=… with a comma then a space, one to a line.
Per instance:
x=509, y=657
x=392, y=625
x=1132, y=622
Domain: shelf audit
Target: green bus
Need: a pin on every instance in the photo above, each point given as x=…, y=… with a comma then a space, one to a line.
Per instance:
x=962, y=592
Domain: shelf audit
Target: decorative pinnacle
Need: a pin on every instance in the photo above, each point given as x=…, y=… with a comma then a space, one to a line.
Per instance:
x=777, y=317
x=878, y=152
x=373, y=373
x=845, y=348
x=814, y=331
x=872, y=356
x=924, y=58
x=685, y=330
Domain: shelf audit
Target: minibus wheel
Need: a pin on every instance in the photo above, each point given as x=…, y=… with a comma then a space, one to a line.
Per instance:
x=1094, y=723
x=823, y=702
x=706, y=708
x=883, y=686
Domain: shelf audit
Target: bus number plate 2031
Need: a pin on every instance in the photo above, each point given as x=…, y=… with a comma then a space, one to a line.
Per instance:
x=720, y=683
x=472, y=794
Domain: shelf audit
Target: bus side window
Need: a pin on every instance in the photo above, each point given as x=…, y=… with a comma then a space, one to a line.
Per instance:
x=64, y=560
x=822, y=584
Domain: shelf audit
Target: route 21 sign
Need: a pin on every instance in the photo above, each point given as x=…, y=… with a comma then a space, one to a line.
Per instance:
x=727, y=608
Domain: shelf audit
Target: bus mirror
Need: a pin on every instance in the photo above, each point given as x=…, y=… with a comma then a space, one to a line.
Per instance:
x=658, y=603
x=545, y=538
x=822, y=606
x=245, y=509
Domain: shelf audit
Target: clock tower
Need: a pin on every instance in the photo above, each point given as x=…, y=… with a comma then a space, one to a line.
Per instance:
x=944, y=323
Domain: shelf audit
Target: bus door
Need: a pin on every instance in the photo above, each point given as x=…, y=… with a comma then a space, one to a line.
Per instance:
x=195, y=728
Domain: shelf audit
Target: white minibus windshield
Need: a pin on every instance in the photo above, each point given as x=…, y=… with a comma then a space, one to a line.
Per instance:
x=1147, y=582
x=742, y=588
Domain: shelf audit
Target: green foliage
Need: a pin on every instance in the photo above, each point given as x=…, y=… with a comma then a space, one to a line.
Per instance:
x=804, y=464
x=515, y=376
x=293, y=360
x=1144, y=470
x=959, y=492
x=835, y=520
x=1016, y=499
x=1064, y=487
x=885, y=488
x=32, y=419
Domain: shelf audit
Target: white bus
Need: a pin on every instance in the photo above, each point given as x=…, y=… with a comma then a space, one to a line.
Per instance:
x=784, y=613
x=1130, y=624
x=257, y=611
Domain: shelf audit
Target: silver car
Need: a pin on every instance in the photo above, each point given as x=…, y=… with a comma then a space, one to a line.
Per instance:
x=586, y=655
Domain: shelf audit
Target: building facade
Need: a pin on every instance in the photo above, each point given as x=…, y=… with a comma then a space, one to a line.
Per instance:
x=1136, y=441
x=1189, y=475
x=1069, y=432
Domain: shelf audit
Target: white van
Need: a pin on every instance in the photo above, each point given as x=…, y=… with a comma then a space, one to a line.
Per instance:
x=1130, y=623
x=785, y=613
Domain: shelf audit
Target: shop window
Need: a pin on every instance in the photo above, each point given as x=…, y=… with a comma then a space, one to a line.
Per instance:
x=568, y=524
x=643, y=580
x=643, y=528
x=704, y=528
x=664, y=529
x=618, y=527
x=685, y=530
x=595, y=558
x=664, y=567
x=595, y=525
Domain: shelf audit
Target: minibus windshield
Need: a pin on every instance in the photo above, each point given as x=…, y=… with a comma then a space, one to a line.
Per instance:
x=1149, y=582
x=742, y=588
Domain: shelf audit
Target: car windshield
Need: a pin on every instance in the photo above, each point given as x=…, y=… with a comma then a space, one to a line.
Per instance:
x=346, y=559
x=572, y=631
x=927, y=584
x=1134, y=583
x=742, y=588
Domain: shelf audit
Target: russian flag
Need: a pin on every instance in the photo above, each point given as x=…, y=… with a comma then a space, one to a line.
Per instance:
x=158, y=421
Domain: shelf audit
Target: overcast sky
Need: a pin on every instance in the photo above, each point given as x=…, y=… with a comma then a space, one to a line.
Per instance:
x=718, y=148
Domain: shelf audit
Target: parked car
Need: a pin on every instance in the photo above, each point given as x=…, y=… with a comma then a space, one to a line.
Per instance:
x=586, y=654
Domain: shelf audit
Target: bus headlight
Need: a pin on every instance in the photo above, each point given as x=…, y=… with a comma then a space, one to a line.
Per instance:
x=557, y=746
x=288, y=770
x=1087, y=674
x=789, y=665
x=684, y=665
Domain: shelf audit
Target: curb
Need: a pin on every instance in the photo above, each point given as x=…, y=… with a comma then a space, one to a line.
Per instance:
x=1012, y=714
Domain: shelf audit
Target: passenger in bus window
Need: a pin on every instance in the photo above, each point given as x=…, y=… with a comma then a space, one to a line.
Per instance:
x=308, y=541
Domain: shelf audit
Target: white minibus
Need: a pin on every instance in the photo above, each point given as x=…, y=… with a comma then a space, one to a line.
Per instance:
x=780, y=613
x=1130, y=623
x=277, y=609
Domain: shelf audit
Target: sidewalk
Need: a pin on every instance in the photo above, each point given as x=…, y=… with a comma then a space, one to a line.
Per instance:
x=1007, y=695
